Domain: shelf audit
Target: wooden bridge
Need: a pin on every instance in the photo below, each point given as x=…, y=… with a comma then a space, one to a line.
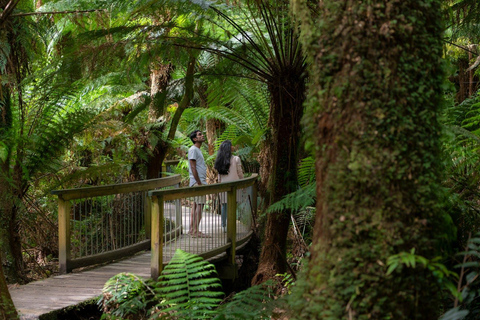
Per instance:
x=136, y=228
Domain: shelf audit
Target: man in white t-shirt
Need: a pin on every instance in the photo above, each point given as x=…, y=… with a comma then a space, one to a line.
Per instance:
x=198, y=176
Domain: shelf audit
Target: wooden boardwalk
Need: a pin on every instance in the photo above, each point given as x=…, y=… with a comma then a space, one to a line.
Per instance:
x=59, y=292
x=54, y=294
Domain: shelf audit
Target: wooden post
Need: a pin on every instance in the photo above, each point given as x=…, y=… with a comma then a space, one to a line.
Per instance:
x=64, y=254
x=148, y=217
x=232, y=223
x=157, y=237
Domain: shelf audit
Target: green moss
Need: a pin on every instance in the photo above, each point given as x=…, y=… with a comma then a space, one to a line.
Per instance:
x=375, y=92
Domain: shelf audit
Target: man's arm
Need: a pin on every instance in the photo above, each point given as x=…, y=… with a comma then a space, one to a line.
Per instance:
x=193, y=166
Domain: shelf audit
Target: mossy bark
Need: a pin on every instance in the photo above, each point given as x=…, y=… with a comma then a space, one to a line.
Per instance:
x=11, y=195
x=376, y=88
x=7, y=308
x=10, y=241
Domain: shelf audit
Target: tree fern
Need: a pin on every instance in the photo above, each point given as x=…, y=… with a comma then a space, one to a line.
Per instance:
x=188, y=287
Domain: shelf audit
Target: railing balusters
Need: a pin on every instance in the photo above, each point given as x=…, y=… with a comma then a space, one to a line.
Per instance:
x=218, y=242
x=99, y=224
x=109, y=221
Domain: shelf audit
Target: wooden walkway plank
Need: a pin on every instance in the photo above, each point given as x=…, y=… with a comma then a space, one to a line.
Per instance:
x=56, y=293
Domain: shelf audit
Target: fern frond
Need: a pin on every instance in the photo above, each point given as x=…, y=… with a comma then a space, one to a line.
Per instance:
x=254, y=303
x=188, y=287
x=306, y=171
x=295, y=201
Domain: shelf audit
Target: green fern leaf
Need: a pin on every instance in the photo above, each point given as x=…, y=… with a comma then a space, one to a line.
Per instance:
x=188, y=287
x=254, y=303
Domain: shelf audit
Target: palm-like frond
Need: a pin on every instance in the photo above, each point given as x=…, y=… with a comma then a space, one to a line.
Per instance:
x=242, y=106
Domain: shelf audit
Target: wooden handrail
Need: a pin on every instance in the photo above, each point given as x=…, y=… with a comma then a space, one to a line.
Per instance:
x=178, y=193
x=71, y=194
x=158, y=197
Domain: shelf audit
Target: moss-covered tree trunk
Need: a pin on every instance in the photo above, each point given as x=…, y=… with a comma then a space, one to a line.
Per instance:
x=7, y=308
x=10, y=242
x=11, y=195
x=376, y=88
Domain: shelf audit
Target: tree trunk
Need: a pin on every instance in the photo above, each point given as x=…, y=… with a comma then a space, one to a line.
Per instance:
x=160, y=152
x=7, y=308
x=375, y=94
x=9, y=234
x=159, y=77
x=211, y=123
x=10, y=197
x=279, y=162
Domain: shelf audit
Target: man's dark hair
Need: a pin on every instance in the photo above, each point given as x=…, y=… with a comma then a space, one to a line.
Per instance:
x=222, y=163
x=194, y=135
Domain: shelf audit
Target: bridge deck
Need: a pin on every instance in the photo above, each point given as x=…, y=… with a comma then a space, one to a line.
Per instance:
x=59, y=292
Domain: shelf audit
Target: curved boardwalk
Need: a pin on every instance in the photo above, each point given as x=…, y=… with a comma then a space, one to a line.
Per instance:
x=40, y=299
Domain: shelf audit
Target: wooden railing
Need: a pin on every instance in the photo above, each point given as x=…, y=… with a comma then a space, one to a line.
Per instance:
x=166, y=205
x=100, y=224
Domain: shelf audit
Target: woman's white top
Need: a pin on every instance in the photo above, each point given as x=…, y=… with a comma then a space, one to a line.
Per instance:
x=235, y=172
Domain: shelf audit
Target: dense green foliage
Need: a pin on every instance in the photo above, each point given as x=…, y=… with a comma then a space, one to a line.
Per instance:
x=187, y=289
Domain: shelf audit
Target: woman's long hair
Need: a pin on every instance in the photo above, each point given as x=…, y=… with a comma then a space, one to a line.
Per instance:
x=222, y=162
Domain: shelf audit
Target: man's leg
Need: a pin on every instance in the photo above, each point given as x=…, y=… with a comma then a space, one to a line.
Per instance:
x=224, y=215
x=198, y=216
x=193, y=223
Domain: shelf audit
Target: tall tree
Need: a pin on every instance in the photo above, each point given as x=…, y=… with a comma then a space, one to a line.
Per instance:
x=270, y=51
x=37, y=120
x=375, y=93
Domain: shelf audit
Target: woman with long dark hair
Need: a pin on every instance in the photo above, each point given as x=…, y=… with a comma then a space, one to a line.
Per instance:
x=229, y=169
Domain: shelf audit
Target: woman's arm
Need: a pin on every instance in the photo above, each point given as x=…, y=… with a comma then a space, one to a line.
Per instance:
x=239, y=167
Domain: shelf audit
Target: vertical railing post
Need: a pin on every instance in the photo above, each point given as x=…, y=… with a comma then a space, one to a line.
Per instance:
x=178, y=212
x=148, y=216
x=254, y=199
x=64, y=254
x=157, y=236
x=232, y=223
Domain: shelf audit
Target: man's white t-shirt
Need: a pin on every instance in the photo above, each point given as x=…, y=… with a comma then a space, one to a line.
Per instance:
x=194, y=153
